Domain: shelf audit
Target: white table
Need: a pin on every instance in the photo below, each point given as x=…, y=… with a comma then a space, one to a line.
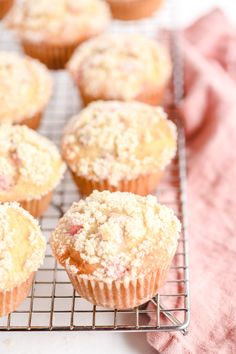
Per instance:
x=101, y=343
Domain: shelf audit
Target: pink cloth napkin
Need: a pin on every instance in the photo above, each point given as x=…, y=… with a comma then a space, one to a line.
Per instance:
x=209, y=113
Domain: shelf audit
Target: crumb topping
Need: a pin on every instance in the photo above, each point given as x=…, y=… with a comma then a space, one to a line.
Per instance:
x=115, y=236
x=106, y=140
x=25, y=87
x=120, y=66
x=30, y=165
x=22, y=245
x=58, y=21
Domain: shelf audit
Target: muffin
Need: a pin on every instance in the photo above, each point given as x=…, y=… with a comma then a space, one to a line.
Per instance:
x=107, y=147
x=25, y=89
x=133, y=9
x=30, y=168
x=116, y=247
x=51, y=30
x=121, y=67
x=5, y=6
x=21, y=252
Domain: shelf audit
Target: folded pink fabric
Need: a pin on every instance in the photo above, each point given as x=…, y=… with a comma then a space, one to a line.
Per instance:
x=209, y=114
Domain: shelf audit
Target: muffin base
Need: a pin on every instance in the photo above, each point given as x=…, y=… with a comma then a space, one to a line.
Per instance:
x=150, y=96
x=10, y=300
x=133, y=9
x=53, y=56
x=37, y=207
x=5, y=6
x=143, y=185
x=33, y=122
x=117, y=294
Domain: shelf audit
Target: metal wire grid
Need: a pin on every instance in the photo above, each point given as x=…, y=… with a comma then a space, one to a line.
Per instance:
x=52, y=303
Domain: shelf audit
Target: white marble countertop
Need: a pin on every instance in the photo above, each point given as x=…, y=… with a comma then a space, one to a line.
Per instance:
x=101, y=343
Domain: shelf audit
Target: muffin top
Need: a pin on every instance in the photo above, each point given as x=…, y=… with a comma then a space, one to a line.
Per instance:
x=107, y=141
x=22, y=245
x=30, y=165
x=25, y=87
x=120, y=66
x=115, y=236
x=58, y=21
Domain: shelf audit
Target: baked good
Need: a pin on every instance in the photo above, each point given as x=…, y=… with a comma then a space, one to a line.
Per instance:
x=133, y=9
x=107, y=147
x=21, y=252
x=30, y=168
x=116, y=247
x=51, y=30
x=121, y=67
x=25, y=89
x=5, y=6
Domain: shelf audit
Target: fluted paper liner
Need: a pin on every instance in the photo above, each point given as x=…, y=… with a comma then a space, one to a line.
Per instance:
x=53, y=56
x=10, y=300
x=142, y=185
x=148, y=95
x=37, y=207
x=32, y=122
x=133, y=10
x=5, y=6
x=117, y=294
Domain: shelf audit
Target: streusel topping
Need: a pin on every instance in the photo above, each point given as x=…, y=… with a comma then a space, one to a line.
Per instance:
x=107, y=140
x=22, y=245
x=115, y=236
x=120, y=66
x=30, y=165
x=25, y=87
x=58, y=21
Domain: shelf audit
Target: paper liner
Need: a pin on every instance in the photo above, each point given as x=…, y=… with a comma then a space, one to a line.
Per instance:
x=149, y=95
x=133, y=9
x=37, y=207
x=154, y=97
x=5, y=6
x=32, y=122
x=143, y=185
x=53, y=56
x=10, y=300
x=117, y=294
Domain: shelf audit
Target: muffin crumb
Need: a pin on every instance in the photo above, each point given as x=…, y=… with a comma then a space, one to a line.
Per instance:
x=25, y=87
x=116, y=66
x=106, y=141
x=22, y=245
x=123, y=235
x=58, y=21
x=30, y=165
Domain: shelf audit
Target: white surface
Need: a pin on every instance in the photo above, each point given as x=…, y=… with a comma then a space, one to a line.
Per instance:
x=102, y=343
x=76, y=343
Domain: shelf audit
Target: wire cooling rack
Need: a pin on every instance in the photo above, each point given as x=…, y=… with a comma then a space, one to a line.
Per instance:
x=52, y=304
